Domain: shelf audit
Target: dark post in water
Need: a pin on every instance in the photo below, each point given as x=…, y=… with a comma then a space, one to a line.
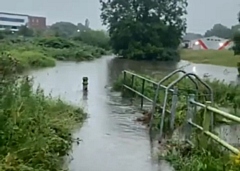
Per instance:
x=85, y=84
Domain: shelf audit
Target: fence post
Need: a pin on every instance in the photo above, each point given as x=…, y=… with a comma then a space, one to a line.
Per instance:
x=132, y=83
x=143, y=87
x=206, y=123
x=190, y=115
x=174, y=107
x=124, y=81
x=124, y=77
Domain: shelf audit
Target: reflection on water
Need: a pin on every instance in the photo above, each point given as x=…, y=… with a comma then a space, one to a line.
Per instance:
x=112, y=140
x=228, y=74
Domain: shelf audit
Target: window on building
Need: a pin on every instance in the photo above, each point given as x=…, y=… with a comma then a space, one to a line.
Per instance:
x=14, y=27
x=12, y=19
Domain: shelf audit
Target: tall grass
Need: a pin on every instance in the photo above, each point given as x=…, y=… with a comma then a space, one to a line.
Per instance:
x=35, y=130
x=187, y=158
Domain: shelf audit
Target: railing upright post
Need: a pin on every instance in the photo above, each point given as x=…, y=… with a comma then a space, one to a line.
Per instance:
x=142, y=92
x=206, y=124
x=124, y=81
x=132, y=83
x=124, y=77
x=174, y=107
x=190, y=115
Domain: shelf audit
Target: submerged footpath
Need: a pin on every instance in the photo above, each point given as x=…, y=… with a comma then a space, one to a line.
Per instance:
x=35, y=129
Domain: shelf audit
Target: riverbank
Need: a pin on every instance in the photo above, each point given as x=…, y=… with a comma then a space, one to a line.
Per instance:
x=43, y=52
x=184, y=157
x=214, y=57
x=35, y=129
x=188, y=158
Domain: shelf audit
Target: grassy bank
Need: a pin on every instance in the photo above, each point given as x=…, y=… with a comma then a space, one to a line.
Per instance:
x=187, y=158
x=42, y=52
x=35, y=129
x=214, y=57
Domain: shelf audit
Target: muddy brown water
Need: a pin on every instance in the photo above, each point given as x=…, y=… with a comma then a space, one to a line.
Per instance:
x=111, y=139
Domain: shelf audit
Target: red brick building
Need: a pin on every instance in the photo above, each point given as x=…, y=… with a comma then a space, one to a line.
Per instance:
x=37, y=22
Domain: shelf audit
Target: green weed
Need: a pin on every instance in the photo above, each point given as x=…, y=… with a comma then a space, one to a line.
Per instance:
x=35, y=130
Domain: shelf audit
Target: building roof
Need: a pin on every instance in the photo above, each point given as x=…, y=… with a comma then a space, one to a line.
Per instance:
x=6, y=13
x=25, y=15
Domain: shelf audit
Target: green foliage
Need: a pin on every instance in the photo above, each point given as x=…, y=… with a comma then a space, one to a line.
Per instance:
x=95, y=38
x=63, y=49
x=239, y=17
x=219, y=30
x=25, y=31
x=42, y=52
x=66, y=29
x=185, y=158
x=143, y=29
x=55, y=42
x=32, y=59
x=35, y=129
x=236, y=40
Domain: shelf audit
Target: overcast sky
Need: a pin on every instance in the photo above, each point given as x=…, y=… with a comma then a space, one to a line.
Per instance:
x=202, y=14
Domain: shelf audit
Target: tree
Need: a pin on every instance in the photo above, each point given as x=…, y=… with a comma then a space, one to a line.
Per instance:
x=25, y=31
x=94, y=37
x=236, y=39
x=145, y=29
x=219, y=30
x=66, y=29
x=239, y=17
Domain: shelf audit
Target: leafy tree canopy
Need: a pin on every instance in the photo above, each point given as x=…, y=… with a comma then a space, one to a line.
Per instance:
x=145, y=29
x=219, y=30
x=64, y=29
x=94, y=37
x=236, y=39
x=25, y=31
x=67, y=29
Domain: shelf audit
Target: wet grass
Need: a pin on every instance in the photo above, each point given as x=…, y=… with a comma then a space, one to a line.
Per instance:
x=35, y=129
x=214, y=57
x=186, y=158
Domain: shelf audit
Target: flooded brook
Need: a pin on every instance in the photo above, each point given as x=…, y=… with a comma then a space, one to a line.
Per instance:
x=111, y=139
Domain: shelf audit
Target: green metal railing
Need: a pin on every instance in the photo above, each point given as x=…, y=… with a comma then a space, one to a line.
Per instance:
x=193, y=105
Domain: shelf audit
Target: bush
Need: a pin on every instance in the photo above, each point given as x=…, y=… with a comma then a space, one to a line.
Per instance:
x=236, y=40
x=94, y=38
x=186, y=158
x=32, y=59
x=43, y=52
x=55, y=42
x=35, y=130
